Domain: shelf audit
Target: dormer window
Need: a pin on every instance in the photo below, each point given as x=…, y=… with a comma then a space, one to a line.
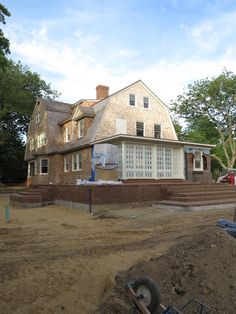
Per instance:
x=157, y=130
x=145, y=102
x=67, y=135
x=81, y=128
x=132, y=100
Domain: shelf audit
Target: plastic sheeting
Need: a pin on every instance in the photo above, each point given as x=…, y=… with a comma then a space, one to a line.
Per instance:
x=105, y=156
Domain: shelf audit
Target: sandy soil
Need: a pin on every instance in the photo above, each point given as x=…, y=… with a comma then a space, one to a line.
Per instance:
x=59, y=260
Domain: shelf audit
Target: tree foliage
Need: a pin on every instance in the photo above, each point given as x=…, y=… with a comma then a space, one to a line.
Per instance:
x=19, y=89
x=4, y=42
x=209, y=108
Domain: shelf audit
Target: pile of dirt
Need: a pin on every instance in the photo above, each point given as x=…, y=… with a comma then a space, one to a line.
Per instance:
x=201, y=267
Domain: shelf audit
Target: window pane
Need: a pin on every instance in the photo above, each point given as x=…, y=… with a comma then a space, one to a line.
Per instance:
x=44, y=166
x=132, y=100
x=140, y=128
x=157, y=131
x=145, y=102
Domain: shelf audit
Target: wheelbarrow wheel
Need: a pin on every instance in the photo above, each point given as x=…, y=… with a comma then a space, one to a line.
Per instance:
x=148, y=291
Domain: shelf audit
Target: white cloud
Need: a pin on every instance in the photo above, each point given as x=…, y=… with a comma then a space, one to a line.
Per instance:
x=127, y=53
x=214, y=33
x=75, y=72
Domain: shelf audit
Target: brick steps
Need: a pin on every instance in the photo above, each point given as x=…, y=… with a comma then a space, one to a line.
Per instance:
x=32, y=197
x=195, y=195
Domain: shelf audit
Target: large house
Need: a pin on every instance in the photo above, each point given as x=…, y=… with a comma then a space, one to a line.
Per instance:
x=65, y=140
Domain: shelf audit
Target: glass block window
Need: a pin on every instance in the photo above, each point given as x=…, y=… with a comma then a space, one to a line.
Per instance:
x=145, y=102
x=120, y=161
x=132, y=100
x=139, y=128
x=157, y=130
x=138, y=161
x=164, y=162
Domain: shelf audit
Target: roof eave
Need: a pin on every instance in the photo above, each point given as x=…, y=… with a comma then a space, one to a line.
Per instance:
x=123, y=137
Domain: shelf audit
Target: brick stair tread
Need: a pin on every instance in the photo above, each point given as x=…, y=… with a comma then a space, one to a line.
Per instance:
x=196, y=203
x=26, y=197
x=201, y=197
x=199, y=188
x=204, y=193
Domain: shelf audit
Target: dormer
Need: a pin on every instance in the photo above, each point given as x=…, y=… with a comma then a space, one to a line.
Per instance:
x=84, y=117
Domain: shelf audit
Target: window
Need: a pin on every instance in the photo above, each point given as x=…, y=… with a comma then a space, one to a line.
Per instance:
x=145, y=102
x=66, y=164
x=77, y=162
x=121, y=126
x=32, y=144
x=36, y=167
x=139, y=128
x=37, y=117
x=198, y=165
x=204, y=162
x=41, y=140
x=132, y=100
x=80, y=128
x=67, y=135
x=157, y=130
x=32, y=169
x=44, y=166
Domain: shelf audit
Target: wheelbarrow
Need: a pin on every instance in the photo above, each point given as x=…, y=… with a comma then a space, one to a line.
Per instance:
x=145, y=296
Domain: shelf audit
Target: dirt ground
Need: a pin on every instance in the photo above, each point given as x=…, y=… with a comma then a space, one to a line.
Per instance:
x=59, y=260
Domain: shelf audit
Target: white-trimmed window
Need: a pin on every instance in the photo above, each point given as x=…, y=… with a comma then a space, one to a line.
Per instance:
x=31, y=168
x=81, y=128
x=36, y=170
x=43, y=166
x=139, y=128
x=67, y=134
x=197, y=161
x=66, y=163
x=37, y=117
x=41, y=140
x=121, y=126
x=77, y=162
x=132, y=100
x=32, y=144
x=157, y=130
x=145, y=102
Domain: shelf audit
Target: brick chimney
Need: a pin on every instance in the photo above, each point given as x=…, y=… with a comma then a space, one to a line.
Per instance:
x=102, y=91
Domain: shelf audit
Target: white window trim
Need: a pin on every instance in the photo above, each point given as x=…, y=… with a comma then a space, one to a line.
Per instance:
x=65, y=163
x=67, y=135
x=194, y=168
x=43, y=174
x=80, y=134
x=143, y=128
x=148, y=108
x=77, y=162
x=154, y=130
x=135, y=101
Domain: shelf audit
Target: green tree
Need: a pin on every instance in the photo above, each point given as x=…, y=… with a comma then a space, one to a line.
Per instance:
x=19, y=89
x=209, y=109
x=4, y=42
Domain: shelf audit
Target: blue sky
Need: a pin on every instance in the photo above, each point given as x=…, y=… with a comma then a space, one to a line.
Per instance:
x=77, y=45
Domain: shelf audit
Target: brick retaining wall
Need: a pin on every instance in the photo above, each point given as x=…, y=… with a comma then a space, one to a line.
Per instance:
x=108, y=194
